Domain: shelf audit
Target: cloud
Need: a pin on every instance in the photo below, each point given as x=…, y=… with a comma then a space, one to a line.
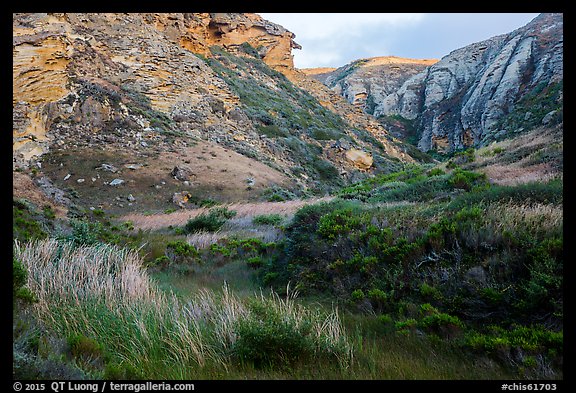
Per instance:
x=314, y=26
x=335, y=39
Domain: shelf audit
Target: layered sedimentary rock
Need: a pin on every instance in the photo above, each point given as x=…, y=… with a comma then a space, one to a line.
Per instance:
x=158, y=83
x=462, y=99
x=367, y=82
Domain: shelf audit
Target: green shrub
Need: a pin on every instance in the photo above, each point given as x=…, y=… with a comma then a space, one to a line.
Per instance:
x=435, y=172
x=49, y=212
x=339, y=222
x=223, y=212
x=326, y=170
x=466, y=179
x=276, y=198
x=491, y=295
x=84, y=347
x=278, y=194
x=98, y=213
x=325, y=134
x=268, y=219
x=160, y=262
x=440, y=320
x=19, y=279
x=19, y=275
x=272, y=131
x=179, y=251
x=357, y=295
x=255, y=262
x=406, y=326
x=84, y=232
x=26, y=223
x=210, y=222
x=208, y=203
x=430, y=292
x=181, y=248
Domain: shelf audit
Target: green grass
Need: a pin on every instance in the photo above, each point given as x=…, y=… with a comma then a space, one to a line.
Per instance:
x=398, y=284
x=103, y=294
x=97, y=333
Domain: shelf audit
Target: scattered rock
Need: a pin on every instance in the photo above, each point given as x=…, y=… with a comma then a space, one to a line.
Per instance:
x=180, y=198
x=116, y=182
x=54, y=193
x=342, y=144
x=108, y=167
x=250, y=181
x=67, y=177
x=80, y=180
x=238, y=115
x=93, y=179
x=133, y=166
x=547, y=119
x=131, y=198
x=181, y=174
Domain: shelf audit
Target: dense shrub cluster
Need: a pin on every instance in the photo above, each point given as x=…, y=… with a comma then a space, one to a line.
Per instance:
x=414, y=183
x=487, y=255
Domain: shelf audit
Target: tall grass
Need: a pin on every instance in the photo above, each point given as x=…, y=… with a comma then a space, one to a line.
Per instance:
x=102, y=292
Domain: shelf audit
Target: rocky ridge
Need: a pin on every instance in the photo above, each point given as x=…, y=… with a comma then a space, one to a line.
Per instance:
x=467, y=97
x=485, y=91
x=366, y=82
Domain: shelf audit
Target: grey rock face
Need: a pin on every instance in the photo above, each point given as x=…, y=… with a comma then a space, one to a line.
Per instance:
x=367, y=83
x=460, y=99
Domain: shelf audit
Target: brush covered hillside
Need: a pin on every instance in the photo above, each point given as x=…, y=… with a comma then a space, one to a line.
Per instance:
x=187, y=205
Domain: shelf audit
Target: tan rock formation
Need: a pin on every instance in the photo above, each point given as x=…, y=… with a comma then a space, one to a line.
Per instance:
x=155, y=84
x=360, y=159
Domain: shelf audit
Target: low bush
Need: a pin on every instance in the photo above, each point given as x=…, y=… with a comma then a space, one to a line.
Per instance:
x=210, y=222
x=268, y=219
x=278, y=333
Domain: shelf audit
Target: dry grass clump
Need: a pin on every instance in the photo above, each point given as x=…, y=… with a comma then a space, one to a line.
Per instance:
x=103, y=292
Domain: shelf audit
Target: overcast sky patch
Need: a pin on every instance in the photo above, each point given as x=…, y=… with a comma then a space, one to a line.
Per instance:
x=335, y=39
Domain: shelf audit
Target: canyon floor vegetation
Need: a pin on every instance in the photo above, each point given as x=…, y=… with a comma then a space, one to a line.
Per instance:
x=431, y=272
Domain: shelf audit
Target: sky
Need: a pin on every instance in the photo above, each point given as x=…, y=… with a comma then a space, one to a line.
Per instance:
x=335, y=39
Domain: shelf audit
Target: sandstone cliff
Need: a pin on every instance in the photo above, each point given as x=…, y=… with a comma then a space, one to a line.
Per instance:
x=140, y=86
x=487, y=90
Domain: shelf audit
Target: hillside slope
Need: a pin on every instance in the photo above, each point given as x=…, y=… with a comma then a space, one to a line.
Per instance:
x=144, y=89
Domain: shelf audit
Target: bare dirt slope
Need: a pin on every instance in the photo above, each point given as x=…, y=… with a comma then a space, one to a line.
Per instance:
x=208, y=171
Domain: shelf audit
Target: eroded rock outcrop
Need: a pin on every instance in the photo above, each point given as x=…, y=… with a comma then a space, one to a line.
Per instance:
x=367, y=82
x=154, y=84
x=464, y=98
